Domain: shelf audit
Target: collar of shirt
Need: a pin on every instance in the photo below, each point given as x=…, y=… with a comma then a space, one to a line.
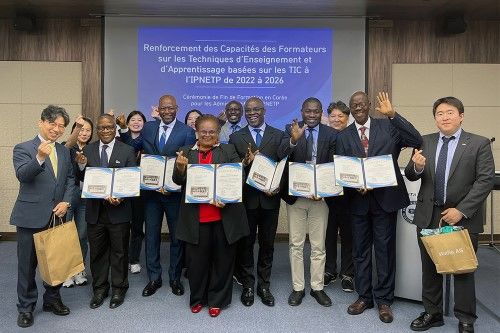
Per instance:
x=195, y=147
x=367, y=125
x=171, y=125
x=262, y=129
x=109, y=149
x=315, y=130
x=230, y=125
x=456, y=135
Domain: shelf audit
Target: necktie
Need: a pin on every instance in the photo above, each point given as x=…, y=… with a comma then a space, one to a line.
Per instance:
x=364, y=139
x=309, y=144
x=163, y=138
x=439, y=197
x=234, y=128
x=258, y=137
x=104, y=156
x=53, y=158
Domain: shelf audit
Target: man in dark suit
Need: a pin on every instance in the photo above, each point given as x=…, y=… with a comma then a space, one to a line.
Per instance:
x=108, y=221
x=457, y=172
x=374, y=212
x=262, y=208
x=45, y=173
x=312, y=142
x=163, y=137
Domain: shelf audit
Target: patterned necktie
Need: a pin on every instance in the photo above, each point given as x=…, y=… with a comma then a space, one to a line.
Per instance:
x=258, y=137
x=53, y=158
x=309, y=144
x=364, y=139
x=439, y=197
x=104, y=156
x=163, y=138
x=234, y=128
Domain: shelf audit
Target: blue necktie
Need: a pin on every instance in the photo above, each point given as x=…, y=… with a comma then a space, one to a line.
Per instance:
x=309, y=144
x=163, y=138
x=104, y=156
x=258, y=137
x=439, y=197
x=234, y=128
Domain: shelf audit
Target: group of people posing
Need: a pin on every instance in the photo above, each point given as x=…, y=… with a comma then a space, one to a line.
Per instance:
x=215, y=242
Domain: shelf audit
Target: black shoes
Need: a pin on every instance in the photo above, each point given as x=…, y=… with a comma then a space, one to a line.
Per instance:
x=265, y=296
x=116, y=299
x=347, y=284
x=25, y=319
x=426, y=321
x=321, y=297
x=464, y=327
x=177, y=287
x=247, y=296
x=329, y=278
x=296, y=297
x=97, y=300
x=151, y=288
x=56, y=307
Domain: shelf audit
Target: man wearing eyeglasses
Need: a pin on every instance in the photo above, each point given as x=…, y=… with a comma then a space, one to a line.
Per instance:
x=163, y=137
x=233, y=112
x=45, y=173
x=262, y=208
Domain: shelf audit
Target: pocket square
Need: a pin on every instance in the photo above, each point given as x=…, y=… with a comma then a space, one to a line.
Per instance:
x=117, y=162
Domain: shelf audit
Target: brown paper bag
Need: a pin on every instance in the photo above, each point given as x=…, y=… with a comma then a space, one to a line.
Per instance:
x=452, y=253
x=58, y=252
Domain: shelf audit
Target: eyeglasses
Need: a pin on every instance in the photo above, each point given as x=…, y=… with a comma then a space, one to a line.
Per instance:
x=356, y=105
x=53, y=124
x=169, y=108
x=211, y=133
x=105, y=128
x=251, y=110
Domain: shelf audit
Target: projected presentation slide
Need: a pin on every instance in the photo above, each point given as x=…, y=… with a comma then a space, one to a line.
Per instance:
x=204, y=68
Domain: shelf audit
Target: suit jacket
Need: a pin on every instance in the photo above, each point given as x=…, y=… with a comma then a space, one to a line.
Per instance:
x=234, y=217
x=122, y=155
x=271, y=140
x=471, y=178
x=387, y=136
x=325, y=151
x=148, y=141
x=40, y=191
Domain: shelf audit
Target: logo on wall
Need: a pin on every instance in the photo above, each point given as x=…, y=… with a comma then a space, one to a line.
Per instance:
x=409, y=212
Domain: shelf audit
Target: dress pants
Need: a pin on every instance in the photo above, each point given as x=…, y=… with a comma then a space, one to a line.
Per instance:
x=136, y=229
x=27, y=292
x=432, y=282
x=156, y=205
x=378, y=229
x=266, y=221
x=307, y=216
x=109, y=249
x=77, y=213
x=210, y=265
x=339, y=221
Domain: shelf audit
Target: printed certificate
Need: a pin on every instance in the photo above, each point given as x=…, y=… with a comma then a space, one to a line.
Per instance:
x=200, y=184
x=228, y=182
x=126, y=182
x=97, y=183
x=152, y=171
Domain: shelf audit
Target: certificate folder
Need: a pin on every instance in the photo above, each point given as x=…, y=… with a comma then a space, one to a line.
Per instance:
x=306, y=180
x=100, y=183
x=265, y=174
x=156, y=172
x=370, y=172
x=207, y=183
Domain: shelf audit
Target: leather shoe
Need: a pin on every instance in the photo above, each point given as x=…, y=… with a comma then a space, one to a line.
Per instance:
x=214, y=312
x=385, y=313
x=116, y=300
x=426, y=321
x=321, y=297
x=177, y=287
x=25, y=319
x=56, y=307
x=265, y=296
x=358, y=307
x=464, y=327
x=97, y=300
x=151, y=288
x=196, y=308
x=296, y=297
x=247, y=296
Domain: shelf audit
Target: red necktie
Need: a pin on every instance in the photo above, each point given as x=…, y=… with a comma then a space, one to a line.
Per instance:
x=364, y=139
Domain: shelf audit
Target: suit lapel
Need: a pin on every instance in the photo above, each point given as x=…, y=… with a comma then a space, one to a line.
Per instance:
x=461, y=146
x=266, y=137
x=431, y=156
x=154, y=137
x=247, y=137
x=216, y=155
x=59, y=150
x=373, y=134
x=321, y=142
x=174, y=132
x=357, y=141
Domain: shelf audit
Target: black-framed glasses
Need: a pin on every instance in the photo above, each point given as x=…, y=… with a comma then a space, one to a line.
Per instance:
x=252, y=110
x=105, y=128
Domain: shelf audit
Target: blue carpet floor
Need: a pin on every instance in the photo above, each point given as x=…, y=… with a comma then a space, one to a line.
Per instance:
x=164, y=312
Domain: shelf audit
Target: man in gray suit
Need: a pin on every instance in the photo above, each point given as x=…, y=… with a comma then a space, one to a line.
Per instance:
x=233, y=111
x=45, y=173
x=457, y=172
